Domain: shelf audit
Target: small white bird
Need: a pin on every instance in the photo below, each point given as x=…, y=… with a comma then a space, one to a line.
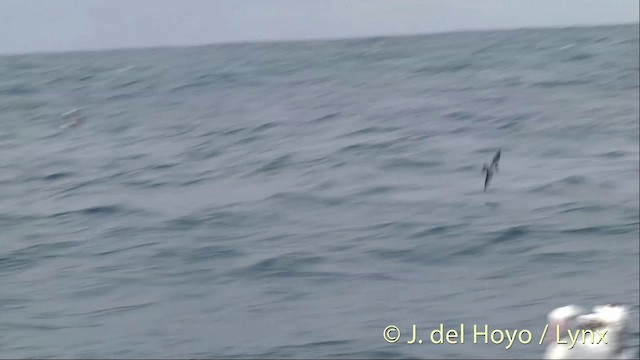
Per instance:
x=73, y=119
x=572, y=334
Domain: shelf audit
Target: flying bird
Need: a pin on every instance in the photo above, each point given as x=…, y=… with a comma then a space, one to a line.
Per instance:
x=490, y=169
x=72, y=119
x=606, y=326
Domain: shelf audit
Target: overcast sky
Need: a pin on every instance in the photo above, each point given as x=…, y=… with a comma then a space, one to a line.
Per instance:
x=59, y=25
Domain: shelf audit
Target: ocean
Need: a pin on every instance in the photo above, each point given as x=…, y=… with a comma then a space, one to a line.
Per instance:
x=294, y=199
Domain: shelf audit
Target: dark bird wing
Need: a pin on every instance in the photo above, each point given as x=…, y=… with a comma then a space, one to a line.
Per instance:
x=487, y=179
x=496, y=159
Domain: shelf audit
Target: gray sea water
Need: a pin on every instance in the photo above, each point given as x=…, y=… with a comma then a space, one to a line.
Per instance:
x=294, y=199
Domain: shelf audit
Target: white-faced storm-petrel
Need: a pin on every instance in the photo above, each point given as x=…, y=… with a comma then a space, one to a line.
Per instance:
x=490, y=168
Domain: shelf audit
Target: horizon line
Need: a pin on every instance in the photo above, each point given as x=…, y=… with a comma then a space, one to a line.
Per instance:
x=312, y=39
